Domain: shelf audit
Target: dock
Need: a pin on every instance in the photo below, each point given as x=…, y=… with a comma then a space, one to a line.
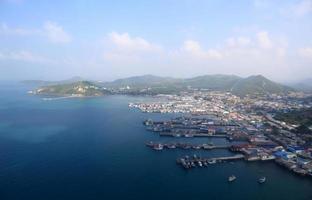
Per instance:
x=193, y=135
x=195, y=161
x=179, y=145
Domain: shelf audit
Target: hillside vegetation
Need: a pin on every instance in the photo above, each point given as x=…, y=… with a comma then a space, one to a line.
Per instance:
x=149, y=84
x=80, y=88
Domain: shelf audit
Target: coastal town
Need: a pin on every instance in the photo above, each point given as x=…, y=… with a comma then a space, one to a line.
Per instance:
x=248, y=124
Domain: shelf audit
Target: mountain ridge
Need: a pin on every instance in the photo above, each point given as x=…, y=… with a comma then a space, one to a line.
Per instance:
x=150, y=84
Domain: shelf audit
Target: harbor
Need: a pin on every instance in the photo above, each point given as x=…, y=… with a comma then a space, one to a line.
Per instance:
x=247, y=143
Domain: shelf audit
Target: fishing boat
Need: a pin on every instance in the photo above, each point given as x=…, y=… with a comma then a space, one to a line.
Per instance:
x=188, y=135
x=149, y=144
x=196, y=147
x=261, y=180
x=158, y=147
x=232, y=178
x=171, y=146
x=213, y=161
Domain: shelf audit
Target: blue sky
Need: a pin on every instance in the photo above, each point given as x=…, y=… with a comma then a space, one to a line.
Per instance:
x=181, y=38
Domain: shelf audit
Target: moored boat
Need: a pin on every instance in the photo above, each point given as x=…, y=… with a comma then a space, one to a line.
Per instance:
x=171, y=146
x=188, y=135
x=213, y=161
x=158, y=147
x=149, y=144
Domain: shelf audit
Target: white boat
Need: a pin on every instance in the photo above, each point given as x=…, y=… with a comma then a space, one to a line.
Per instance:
x=188, y=135
x=177, y=135
x=232, y=178
x=158, y=147
x=213, y=161
x=261, y=180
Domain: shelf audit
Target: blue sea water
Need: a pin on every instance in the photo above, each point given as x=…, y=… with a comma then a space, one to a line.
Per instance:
x=93, y=148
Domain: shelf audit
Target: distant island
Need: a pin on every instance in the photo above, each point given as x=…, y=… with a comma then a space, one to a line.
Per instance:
x=153, y=85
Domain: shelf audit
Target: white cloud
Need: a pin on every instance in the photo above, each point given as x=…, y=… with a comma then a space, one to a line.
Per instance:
x=241, y=47
x=238, y=42
x=24, y=56
x=263, y=40
x=193, y=47
x=126, y=42
x=305, y=52
x=124, y=48
x=56, y=33
x=241, y=55
x=50, y=30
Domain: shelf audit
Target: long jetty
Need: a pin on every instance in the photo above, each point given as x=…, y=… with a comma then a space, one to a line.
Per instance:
x=193, y=135
x=223, y=158
x=179, y=145
x=191, y=162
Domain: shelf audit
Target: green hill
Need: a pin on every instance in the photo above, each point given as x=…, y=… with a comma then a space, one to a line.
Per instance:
x=80, y=88
x=149, y=84
x=302, y=118
x=253, y=85
x=212, y=82
x=258, y=85
x=140, y=81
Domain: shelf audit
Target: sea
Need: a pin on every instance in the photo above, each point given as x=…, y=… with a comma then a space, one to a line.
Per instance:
x=94, y=149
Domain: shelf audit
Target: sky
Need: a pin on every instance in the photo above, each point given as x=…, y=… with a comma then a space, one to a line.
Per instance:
x=105, y=40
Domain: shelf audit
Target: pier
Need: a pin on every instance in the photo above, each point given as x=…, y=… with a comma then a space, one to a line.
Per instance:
x=178, y=145
x=195, y=161
x=192, y=135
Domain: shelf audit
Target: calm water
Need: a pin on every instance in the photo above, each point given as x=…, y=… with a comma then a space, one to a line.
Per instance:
x=94, y=148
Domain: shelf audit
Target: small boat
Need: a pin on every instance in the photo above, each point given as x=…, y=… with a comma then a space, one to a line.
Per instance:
x=261, y=180
x=171, y=146
x=213, y=161
x=186, y=146
x=232, y=178
x=188, y=135
x=149, y=144
x=207, y=146
x=200, y=163
x=158, y=147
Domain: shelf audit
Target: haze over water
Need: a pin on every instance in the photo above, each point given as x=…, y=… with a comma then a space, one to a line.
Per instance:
x=93, y=148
